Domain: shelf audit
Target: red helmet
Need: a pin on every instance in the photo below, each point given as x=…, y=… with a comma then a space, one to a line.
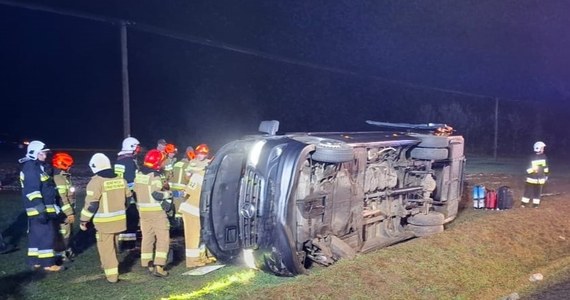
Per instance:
x=170, y=148
x=62, y=161
x=153, y=159
x=202, y=149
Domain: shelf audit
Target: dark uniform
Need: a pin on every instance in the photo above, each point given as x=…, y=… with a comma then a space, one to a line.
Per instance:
x=537, y=174
x=38, y=197
x=126, y=167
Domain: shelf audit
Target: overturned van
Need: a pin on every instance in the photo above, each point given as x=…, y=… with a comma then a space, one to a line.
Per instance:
x=290, y=201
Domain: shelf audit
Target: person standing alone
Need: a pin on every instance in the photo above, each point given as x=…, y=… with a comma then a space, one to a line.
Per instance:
x=537, y=175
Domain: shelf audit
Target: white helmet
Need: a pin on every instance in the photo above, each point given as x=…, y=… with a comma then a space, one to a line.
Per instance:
x=539, y=146
x=99, y=162
x=35, y=147
x=129, y=145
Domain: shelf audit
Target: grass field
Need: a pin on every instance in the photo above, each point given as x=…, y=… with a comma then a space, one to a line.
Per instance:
x=481, y=255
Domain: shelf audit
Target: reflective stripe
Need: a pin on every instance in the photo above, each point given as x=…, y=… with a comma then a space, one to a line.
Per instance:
x=66, y=207
x=112, y=271
x=32, y=212
x=147, y=256
x=535, y=201
x=546, y=170
x=127, y=237
x=179, y=186
x=149, y=207
x=161, y=254
x=525, y=200
x=190, y=209
x=89, y=193
x=109, y=217
x=45, y=253
x=86, y=213
x=535, y=180
x=34, y=195
x=50, y=208
x=192, y=252
x=62, y=231
x=44, y=177
x=530, y=170
x=33, y=251
x=538, y=163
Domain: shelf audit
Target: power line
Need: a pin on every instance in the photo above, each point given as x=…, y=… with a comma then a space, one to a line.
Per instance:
x=229, y=47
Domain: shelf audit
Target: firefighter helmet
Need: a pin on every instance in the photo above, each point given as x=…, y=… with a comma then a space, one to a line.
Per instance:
x=153, y=159
x=539, y=146
x=130, y=145
x=170, y=148
x=202, y=149
x=35, y=147
x=99, y=162
x=62, y=161
x=190, y=153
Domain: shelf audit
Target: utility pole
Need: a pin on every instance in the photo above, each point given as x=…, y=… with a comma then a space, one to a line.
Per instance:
x=125, y=79
x=496, y=128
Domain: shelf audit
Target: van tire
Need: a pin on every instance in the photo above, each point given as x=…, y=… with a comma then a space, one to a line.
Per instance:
x=331, y=151
x=432, y=141
x=429, y=153
x=421, y=231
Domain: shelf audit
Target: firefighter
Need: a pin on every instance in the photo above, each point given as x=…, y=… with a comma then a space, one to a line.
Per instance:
x=126, y=168
x=170, y=160
x=61, y=163
x=537, y=174
x=153, y=204
x=191, y=207
x=38, y=196
x=178, y=182
x=105, y=207
x=161, y=145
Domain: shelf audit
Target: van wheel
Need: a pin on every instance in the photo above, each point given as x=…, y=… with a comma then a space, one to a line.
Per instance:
x=331, y=151
x=421, y=231
x=432, y=141
x=431, y=219
x=429, y=153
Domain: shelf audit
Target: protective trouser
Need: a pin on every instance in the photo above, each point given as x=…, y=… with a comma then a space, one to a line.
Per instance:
x=108, y=255
x=191, y=219
x=63, y=234
x=40, y=243
x=129, y=237
x=532, y=191
x=155, y=238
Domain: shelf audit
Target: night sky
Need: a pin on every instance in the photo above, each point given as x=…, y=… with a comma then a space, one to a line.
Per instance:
x=61, y=75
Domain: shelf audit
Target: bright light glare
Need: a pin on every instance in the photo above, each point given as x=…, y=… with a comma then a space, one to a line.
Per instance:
x=248, y=258
x=216, y=286
x=255, y=152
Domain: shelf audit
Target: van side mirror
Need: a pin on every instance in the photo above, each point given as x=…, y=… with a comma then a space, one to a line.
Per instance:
x=269, y=127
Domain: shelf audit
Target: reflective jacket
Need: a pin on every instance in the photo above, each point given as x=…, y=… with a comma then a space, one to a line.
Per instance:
x=105, y=203
x=38, y=188
x=179, y=178
x=148, y=188
x=66, y=192
x=537, y=170
x=126, y=167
